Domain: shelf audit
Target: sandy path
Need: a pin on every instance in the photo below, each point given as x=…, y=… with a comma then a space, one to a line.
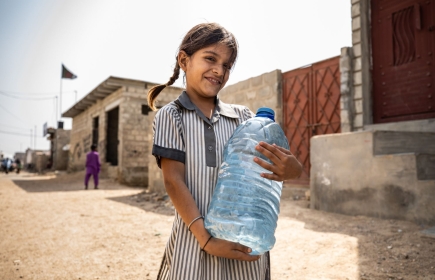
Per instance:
x=53, y=229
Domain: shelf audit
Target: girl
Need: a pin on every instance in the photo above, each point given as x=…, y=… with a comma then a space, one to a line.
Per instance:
x=189, y=137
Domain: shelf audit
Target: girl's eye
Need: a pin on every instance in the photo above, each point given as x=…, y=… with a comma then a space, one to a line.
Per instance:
x=227, y=66
x=210, y=58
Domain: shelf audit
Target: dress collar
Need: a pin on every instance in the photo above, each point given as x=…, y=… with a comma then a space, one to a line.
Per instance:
x=220, y=109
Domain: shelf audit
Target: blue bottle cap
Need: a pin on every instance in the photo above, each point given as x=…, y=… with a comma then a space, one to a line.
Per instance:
x=266, y=112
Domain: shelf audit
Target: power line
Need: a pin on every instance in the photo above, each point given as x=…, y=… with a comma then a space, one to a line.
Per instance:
x=27, y=98
x=12, y=114
x=33, y=94
x=14, y=127
x=20, y=134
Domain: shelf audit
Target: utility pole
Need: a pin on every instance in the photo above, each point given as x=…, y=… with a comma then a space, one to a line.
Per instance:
x=35, y=137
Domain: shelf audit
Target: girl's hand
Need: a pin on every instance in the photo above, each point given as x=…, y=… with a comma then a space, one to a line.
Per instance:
x=229, y=250
x=284, y=165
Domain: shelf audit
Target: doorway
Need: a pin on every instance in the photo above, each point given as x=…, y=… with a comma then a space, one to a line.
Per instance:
x=95, y=125
x=112, y=136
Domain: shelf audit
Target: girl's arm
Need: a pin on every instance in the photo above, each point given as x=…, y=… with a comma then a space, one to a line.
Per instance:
x=285, y=166
x=173, y=176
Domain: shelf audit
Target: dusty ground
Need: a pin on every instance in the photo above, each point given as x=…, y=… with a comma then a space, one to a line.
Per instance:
x=50, y=228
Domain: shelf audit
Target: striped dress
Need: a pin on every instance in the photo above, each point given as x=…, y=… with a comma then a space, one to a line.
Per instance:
x=183, y=133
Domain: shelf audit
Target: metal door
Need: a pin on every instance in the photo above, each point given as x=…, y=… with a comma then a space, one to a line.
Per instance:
x=403, y=40
x=311, y=106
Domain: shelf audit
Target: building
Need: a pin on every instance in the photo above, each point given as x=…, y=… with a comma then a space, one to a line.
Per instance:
x=362, y=123
x=382, y=164
x=116, y=117
x=59, y=139
x=37, y=160
x=21, y=156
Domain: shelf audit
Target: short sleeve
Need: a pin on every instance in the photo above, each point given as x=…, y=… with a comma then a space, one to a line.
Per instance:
x=168, y=140
x=247, y=114
x=244, y=112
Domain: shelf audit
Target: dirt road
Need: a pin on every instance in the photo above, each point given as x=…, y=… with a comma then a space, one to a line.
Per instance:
x=50, y=228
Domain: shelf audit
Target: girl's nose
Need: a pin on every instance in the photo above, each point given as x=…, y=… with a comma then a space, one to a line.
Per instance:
x=219, y=69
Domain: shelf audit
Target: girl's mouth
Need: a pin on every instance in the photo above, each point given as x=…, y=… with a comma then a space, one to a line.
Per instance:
x=214, y=81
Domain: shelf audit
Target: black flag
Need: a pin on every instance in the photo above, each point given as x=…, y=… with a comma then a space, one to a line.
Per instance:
x=66, y=74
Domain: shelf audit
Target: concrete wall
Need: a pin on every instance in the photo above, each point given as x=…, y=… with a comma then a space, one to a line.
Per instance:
x=41, y=160
x=347, y=101
x=261, y=91
x=349, y=175
x=417, y=126
x=60, y=157
x=134, y=134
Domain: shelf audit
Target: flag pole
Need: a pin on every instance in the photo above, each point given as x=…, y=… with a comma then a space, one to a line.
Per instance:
x=56, y=111
x=60, y=101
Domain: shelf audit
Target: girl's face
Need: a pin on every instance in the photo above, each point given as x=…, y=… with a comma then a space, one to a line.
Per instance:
x=207, y=70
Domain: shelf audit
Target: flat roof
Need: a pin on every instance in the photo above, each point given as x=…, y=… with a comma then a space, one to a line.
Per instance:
x=107, y=87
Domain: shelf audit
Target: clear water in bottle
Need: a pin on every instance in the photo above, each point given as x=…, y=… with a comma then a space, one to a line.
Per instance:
x=245, y=206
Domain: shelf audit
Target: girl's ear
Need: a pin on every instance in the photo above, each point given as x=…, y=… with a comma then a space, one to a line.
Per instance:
x=182, y=60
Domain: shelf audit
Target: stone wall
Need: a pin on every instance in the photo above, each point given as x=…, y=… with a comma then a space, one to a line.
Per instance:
x=60, y=156
x=362, y=99
x=261, y=91
x=347, y=105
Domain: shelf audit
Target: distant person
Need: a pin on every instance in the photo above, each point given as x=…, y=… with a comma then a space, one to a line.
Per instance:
x=92, y=166
x=18, y=165
x=7, y=165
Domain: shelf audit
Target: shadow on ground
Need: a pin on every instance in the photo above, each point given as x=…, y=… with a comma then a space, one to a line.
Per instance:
x=149, y=202
x=63, y=182
x=387, y=249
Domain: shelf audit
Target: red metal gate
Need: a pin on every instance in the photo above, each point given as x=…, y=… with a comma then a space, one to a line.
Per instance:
x=403, y=41
x=311, y=106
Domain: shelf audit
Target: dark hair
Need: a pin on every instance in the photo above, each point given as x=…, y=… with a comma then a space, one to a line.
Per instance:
x=93, y=147
x=200, y=36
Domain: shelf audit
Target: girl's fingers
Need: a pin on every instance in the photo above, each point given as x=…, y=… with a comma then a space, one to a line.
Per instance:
x=270, y=151
x=285, y=151
x=242, y=248
x=284, y=165
x=243, y=252
x=230, y=250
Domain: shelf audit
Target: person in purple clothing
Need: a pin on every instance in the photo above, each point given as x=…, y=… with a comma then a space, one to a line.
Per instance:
x=92, y=166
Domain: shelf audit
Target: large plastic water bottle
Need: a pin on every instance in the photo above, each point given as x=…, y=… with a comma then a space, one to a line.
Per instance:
x=245, y=206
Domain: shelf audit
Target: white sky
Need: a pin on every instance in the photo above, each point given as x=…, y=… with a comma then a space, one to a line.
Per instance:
x=138, y=39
